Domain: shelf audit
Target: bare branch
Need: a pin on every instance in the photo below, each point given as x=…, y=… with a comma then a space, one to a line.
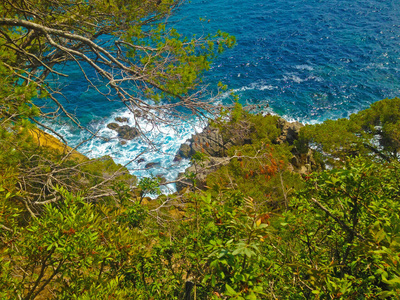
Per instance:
x=340, y=222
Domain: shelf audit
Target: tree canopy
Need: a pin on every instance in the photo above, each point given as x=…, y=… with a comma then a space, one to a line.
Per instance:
x=128, y=44
x=373, y=131
x=126, y=51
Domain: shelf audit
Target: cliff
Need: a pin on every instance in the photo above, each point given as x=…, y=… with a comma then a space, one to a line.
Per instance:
x=43, y=139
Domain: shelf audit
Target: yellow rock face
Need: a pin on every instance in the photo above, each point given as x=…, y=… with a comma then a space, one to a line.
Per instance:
x=44, y=139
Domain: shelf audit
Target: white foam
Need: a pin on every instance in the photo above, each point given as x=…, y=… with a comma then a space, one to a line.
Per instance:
x=260, y=86
x=166, y=142
x=293, y=77
x=267, y=87
x=304, y=67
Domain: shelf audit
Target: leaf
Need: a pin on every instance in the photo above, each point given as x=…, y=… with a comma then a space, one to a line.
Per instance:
x=248, y=252
x=262, y=226
x=380, y=235
x=251, y=296
x=238, y=251
x=394, y=281
x=229, y=290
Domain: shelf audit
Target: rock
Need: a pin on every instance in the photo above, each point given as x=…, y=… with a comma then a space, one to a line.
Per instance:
x=152, y=165
x=211, y=142
x=290, y=131
x=105, y=158
x=181, y=183
x=113, y=126
x=140, y=160
x=127, y=133
x=177, y=158
x=43, y=139
x=305, y=163
x=121, y=119
x=184, y=151
x=122, y=143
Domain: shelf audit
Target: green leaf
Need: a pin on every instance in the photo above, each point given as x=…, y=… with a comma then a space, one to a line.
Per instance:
x=251, y=296
x=229, y=291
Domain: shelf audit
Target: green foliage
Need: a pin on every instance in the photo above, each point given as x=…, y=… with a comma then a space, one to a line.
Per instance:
x=149, y=185
x=337, y=238
x=96, y=170
x=260, y=171
x=238, y=122
x=9, y=210
x=373, y=131
x=236, y=266
x=259, y=168
x=198, y=158
x=334, y=231
x=73, y=248
x=218, y=247
x=134, y=216
x=337, y=138
x=382, y=119
x=143, y=58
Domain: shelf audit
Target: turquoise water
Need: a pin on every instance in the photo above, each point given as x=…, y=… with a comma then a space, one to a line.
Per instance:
x=309, y=60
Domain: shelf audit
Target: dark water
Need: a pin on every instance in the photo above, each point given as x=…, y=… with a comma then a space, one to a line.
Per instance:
x=309, y=59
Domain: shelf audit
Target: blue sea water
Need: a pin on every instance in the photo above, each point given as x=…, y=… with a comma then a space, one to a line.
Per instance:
x=309, y=60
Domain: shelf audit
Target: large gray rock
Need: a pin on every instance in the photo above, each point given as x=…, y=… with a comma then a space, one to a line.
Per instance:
x=152, y=165
x=184, y=151
x=211, y=142
x=125, y=132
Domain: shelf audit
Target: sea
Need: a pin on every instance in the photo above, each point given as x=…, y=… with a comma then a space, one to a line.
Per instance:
x=305, y=60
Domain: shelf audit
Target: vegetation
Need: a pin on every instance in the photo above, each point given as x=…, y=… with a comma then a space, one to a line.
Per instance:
x=126, y=52
x=262, y=227
x=371, y=132
x=329, y=234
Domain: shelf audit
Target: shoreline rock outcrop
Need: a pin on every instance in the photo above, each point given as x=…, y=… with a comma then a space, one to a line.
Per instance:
x=215, y=144
x=289, y=131
x=211, y=142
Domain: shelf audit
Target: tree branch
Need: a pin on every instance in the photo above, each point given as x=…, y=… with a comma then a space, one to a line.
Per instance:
x=340, y=222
